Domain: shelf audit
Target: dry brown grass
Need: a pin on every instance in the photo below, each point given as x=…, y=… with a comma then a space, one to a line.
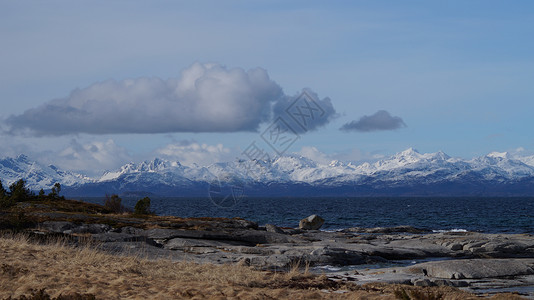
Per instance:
x=26, y=267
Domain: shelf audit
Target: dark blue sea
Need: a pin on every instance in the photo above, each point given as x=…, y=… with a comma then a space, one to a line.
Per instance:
x=490, y=215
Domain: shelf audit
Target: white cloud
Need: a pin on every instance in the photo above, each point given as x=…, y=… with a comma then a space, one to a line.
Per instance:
x=205, y=98
x=85, y=156
x=315, y=155
x=356, y=155
x=93, y=157
x=191, y=152
x=13, y=146
x=353, y=155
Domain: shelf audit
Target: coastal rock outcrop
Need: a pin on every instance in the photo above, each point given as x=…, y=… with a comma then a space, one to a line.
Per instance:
x=460, y=259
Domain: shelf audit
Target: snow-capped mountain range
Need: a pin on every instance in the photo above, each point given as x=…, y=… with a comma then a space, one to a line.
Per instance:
x=405, y=173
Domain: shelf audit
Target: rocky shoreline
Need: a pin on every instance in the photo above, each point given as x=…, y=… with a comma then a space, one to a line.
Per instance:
x=477, y=262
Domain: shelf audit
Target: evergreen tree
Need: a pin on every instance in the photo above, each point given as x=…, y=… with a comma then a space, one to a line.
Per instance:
x=55, y=190
x=2, y=191
x=142, y=207
x=4, y=199
x=114, y=204
x=18, y=191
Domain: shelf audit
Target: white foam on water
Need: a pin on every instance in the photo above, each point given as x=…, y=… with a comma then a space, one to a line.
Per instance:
x=450, y=230
x=329, y=268
x=332, y=230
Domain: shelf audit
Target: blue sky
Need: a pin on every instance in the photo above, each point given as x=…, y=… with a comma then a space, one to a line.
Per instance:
x=459, y=74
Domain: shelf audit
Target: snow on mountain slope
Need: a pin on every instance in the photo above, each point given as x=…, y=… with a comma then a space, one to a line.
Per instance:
x=407, y=168
x=37, y=176
x=159, y=166
x=409, y=158
x=527, y=160
x=501, y=164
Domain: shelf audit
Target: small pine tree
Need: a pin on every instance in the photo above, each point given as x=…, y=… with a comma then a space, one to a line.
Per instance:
x=2, y=190
x=18, y=191
x=142, y=207
x=114, y=204
x=55, y=190
x=5, y=201
x=41, y=193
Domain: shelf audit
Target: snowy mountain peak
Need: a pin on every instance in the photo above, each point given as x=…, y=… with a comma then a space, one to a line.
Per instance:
x=409, y=154
x=36, y=175
x=436, y=157
x=157, y=164
x=441, y=155
x=410, y=151
x=153, y=166
x=503, y=155
x=22, y=158
x=409, y=169
x=406, y=157
x=336, y=163
x=294, y=162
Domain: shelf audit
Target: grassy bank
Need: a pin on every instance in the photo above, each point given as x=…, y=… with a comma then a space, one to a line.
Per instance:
x=58, y=270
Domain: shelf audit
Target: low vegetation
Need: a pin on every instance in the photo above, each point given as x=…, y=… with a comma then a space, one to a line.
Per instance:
x=142, y=207
x=36, y=266
x=23, y=209
x=114, y=204
x=18, y=192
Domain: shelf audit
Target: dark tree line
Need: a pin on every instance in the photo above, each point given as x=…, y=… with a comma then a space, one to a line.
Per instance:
x=18, y=192
x=114, y=204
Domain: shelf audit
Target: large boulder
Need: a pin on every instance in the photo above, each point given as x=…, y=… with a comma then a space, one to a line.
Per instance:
x=313, y=222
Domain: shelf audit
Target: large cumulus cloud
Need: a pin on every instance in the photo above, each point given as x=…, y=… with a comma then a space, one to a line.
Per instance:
x=205, y=98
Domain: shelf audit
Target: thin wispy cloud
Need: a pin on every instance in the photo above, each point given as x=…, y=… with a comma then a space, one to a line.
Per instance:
x=381, y=120
x=192, y=152
x=94, y=155
x=354, y=155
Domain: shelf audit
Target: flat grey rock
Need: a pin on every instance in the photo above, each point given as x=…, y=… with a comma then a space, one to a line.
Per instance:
x=185, y=243
x=474, y=261
x=89, y=228
x=395, y=229
x=476, y=268
x=70, y=227
x=56, y=226
x=274, y=228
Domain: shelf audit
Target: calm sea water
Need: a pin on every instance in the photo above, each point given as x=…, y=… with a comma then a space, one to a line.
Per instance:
x=492, y=215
